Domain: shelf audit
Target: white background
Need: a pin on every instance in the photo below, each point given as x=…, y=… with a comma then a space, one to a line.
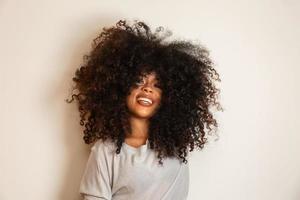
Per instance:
x=255, y=46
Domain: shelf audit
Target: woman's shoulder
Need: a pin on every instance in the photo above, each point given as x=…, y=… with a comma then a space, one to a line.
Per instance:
x=103, y=145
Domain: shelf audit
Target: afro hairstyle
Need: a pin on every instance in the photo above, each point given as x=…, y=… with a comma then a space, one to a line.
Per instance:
x=121, y=55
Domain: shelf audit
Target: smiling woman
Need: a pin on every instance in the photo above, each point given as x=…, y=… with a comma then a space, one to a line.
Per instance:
x=143, y=101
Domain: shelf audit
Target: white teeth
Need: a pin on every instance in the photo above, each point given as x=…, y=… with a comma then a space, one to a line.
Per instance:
x=145, y=99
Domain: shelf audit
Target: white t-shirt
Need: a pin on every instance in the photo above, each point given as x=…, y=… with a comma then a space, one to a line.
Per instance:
x=134, y=174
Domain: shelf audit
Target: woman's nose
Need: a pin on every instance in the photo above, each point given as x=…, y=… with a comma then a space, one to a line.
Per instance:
x=146, y=88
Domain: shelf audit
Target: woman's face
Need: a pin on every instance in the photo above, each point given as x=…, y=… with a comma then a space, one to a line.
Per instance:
x=144, y=99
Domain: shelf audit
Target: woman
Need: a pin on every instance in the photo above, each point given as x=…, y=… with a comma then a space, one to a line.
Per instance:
x=144, y=102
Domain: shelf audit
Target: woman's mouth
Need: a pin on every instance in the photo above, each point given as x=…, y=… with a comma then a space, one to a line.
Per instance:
x=144, y=101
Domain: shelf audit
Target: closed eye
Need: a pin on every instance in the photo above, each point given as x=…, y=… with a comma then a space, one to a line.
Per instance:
x=139, y=82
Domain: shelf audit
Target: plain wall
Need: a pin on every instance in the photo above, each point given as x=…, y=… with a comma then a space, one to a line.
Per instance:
x=255, y=46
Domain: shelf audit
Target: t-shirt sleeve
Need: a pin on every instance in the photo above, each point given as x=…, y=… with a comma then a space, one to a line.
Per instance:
x=95, y=182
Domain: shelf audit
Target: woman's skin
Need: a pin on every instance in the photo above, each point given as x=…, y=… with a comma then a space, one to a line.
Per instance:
x=139, y=114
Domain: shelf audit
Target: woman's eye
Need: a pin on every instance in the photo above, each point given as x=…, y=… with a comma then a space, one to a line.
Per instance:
x=139, y=82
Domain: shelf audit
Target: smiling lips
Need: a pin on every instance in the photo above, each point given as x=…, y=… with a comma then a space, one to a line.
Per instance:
x=144, y=101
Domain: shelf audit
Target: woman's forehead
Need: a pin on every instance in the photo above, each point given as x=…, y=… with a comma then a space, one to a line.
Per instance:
x=150, y=76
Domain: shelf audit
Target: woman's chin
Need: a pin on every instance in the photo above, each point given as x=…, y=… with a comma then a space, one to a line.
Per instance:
x=145, y=114
x=141, y=111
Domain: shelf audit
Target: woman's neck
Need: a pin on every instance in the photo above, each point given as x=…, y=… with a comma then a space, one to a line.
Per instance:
x=139, y=129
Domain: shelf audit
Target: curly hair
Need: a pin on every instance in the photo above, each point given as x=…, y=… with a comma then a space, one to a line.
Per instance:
x=120, y=56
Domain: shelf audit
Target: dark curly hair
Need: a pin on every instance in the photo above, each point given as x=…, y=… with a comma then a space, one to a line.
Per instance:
x=120, y=56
